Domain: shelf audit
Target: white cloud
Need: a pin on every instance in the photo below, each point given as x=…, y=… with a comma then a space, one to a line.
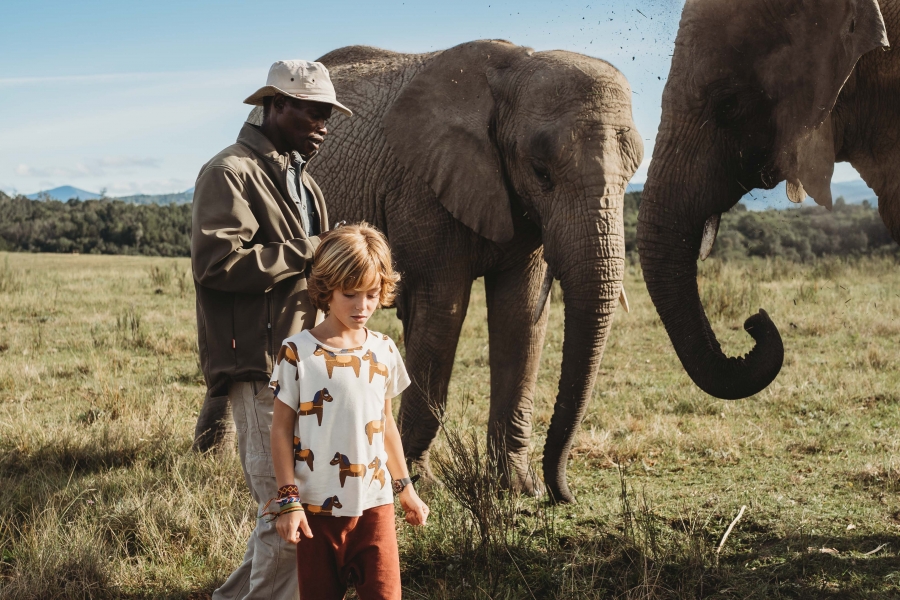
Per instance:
x=97, y=167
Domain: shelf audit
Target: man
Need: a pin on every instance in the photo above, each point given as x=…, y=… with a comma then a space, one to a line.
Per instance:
x=257, y=216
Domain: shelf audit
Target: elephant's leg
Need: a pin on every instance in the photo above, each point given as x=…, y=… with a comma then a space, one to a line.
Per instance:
x=515, y=346
x=215, y=428
x=432, y=313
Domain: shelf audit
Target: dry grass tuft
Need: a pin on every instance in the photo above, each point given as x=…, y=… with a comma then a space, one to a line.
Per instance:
x=11, y=280
x=885, y=476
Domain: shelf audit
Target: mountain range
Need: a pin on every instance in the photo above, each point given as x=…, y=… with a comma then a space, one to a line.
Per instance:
x=853, y=192
x=68, y=192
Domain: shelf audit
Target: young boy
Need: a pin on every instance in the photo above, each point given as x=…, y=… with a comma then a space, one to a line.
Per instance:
x=335, y=444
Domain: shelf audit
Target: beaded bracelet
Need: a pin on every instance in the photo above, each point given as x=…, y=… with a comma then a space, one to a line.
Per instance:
x=289, y=508
x=285, y=505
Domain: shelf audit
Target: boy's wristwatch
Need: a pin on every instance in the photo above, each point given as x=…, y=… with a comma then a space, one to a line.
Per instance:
x=400, y=484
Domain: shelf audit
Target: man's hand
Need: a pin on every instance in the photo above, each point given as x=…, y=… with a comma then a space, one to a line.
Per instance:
x=416, y=510
x=291, y=524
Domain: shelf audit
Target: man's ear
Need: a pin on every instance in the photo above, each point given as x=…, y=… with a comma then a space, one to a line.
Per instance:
x=256, y=116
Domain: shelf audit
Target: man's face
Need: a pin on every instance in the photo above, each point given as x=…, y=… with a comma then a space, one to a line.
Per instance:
x=301, y=123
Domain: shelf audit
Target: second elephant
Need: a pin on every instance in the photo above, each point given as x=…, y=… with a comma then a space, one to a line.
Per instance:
x=489, y=160
x=781, y=93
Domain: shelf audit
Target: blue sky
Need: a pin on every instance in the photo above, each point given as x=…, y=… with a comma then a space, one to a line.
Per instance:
x=134, y=97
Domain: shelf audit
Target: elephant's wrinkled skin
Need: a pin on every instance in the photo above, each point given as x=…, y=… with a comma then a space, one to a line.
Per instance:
x=759, y=92
x=488, y=159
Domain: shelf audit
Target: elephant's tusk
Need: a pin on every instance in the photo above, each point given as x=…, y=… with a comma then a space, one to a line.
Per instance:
x=623, y=300
x=795, y=192
x=710, y=229
x=544, y=295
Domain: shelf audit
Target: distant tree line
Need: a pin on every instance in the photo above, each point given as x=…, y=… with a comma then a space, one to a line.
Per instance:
x=94, y=226
x=114, y=227
x=799, y=234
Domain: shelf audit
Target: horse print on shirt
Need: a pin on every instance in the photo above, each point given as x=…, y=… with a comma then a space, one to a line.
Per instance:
x=375, y=367
x=303, y=454
x=336, y=359
x=347, y=468
x=378, y=475
x=325, y=508
x=315, y=407
x=289, y=353
x=373, y=427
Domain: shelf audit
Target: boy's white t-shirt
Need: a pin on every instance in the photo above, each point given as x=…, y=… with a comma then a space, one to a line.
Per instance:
x=340, y=464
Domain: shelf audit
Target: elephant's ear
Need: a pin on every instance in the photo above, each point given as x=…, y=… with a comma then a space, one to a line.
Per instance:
x=827, y=39
x=439, y=129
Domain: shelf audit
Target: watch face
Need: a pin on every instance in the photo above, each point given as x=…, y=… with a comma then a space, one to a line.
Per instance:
x=398, y=487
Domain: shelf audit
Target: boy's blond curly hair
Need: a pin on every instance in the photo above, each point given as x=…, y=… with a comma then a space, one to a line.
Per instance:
x=352, y=257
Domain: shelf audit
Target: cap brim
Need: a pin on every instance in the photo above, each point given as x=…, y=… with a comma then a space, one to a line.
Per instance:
x=270, y=90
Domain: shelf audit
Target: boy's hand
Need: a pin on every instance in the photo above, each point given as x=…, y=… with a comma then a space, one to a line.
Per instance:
x=416, y=510
x=291, y=524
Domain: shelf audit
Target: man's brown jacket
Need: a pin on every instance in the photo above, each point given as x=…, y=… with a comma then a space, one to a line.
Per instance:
x=250, y=258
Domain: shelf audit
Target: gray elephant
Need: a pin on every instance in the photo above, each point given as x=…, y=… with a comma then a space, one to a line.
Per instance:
x=489, y=160
x=761, y=92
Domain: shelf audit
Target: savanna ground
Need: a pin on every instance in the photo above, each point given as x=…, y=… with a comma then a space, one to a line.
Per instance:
x=100, y=496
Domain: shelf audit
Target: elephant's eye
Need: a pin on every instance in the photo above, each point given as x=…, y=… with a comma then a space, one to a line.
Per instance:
x=727, y=110
x=543, y=175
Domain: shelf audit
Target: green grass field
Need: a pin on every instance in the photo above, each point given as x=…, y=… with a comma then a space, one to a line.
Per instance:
x=100, y=496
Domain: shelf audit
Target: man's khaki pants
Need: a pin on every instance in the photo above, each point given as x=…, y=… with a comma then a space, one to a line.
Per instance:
x=269, y=569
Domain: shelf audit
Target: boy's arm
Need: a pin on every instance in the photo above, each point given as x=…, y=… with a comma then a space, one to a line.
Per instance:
x=416, y=510
x=282, y=440
x=283, y=443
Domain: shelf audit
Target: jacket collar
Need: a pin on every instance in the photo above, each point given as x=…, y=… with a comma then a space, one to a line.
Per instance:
x=252, y=137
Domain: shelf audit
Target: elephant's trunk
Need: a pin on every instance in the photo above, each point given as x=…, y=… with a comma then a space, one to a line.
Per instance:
x=591, y=279
x=669, y=243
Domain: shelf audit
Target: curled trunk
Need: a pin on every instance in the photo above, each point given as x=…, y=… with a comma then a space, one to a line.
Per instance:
x=669, y=248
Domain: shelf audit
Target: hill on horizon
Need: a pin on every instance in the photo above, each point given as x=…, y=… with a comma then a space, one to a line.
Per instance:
x=185, y=197
x=853, y=192
x=65, y=193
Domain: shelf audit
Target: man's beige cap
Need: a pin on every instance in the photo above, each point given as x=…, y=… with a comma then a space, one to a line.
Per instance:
x=301, y=79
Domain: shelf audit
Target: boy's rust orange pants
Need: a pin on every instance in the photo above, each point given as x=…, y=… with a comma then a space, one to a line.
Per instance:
x=359, y=551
